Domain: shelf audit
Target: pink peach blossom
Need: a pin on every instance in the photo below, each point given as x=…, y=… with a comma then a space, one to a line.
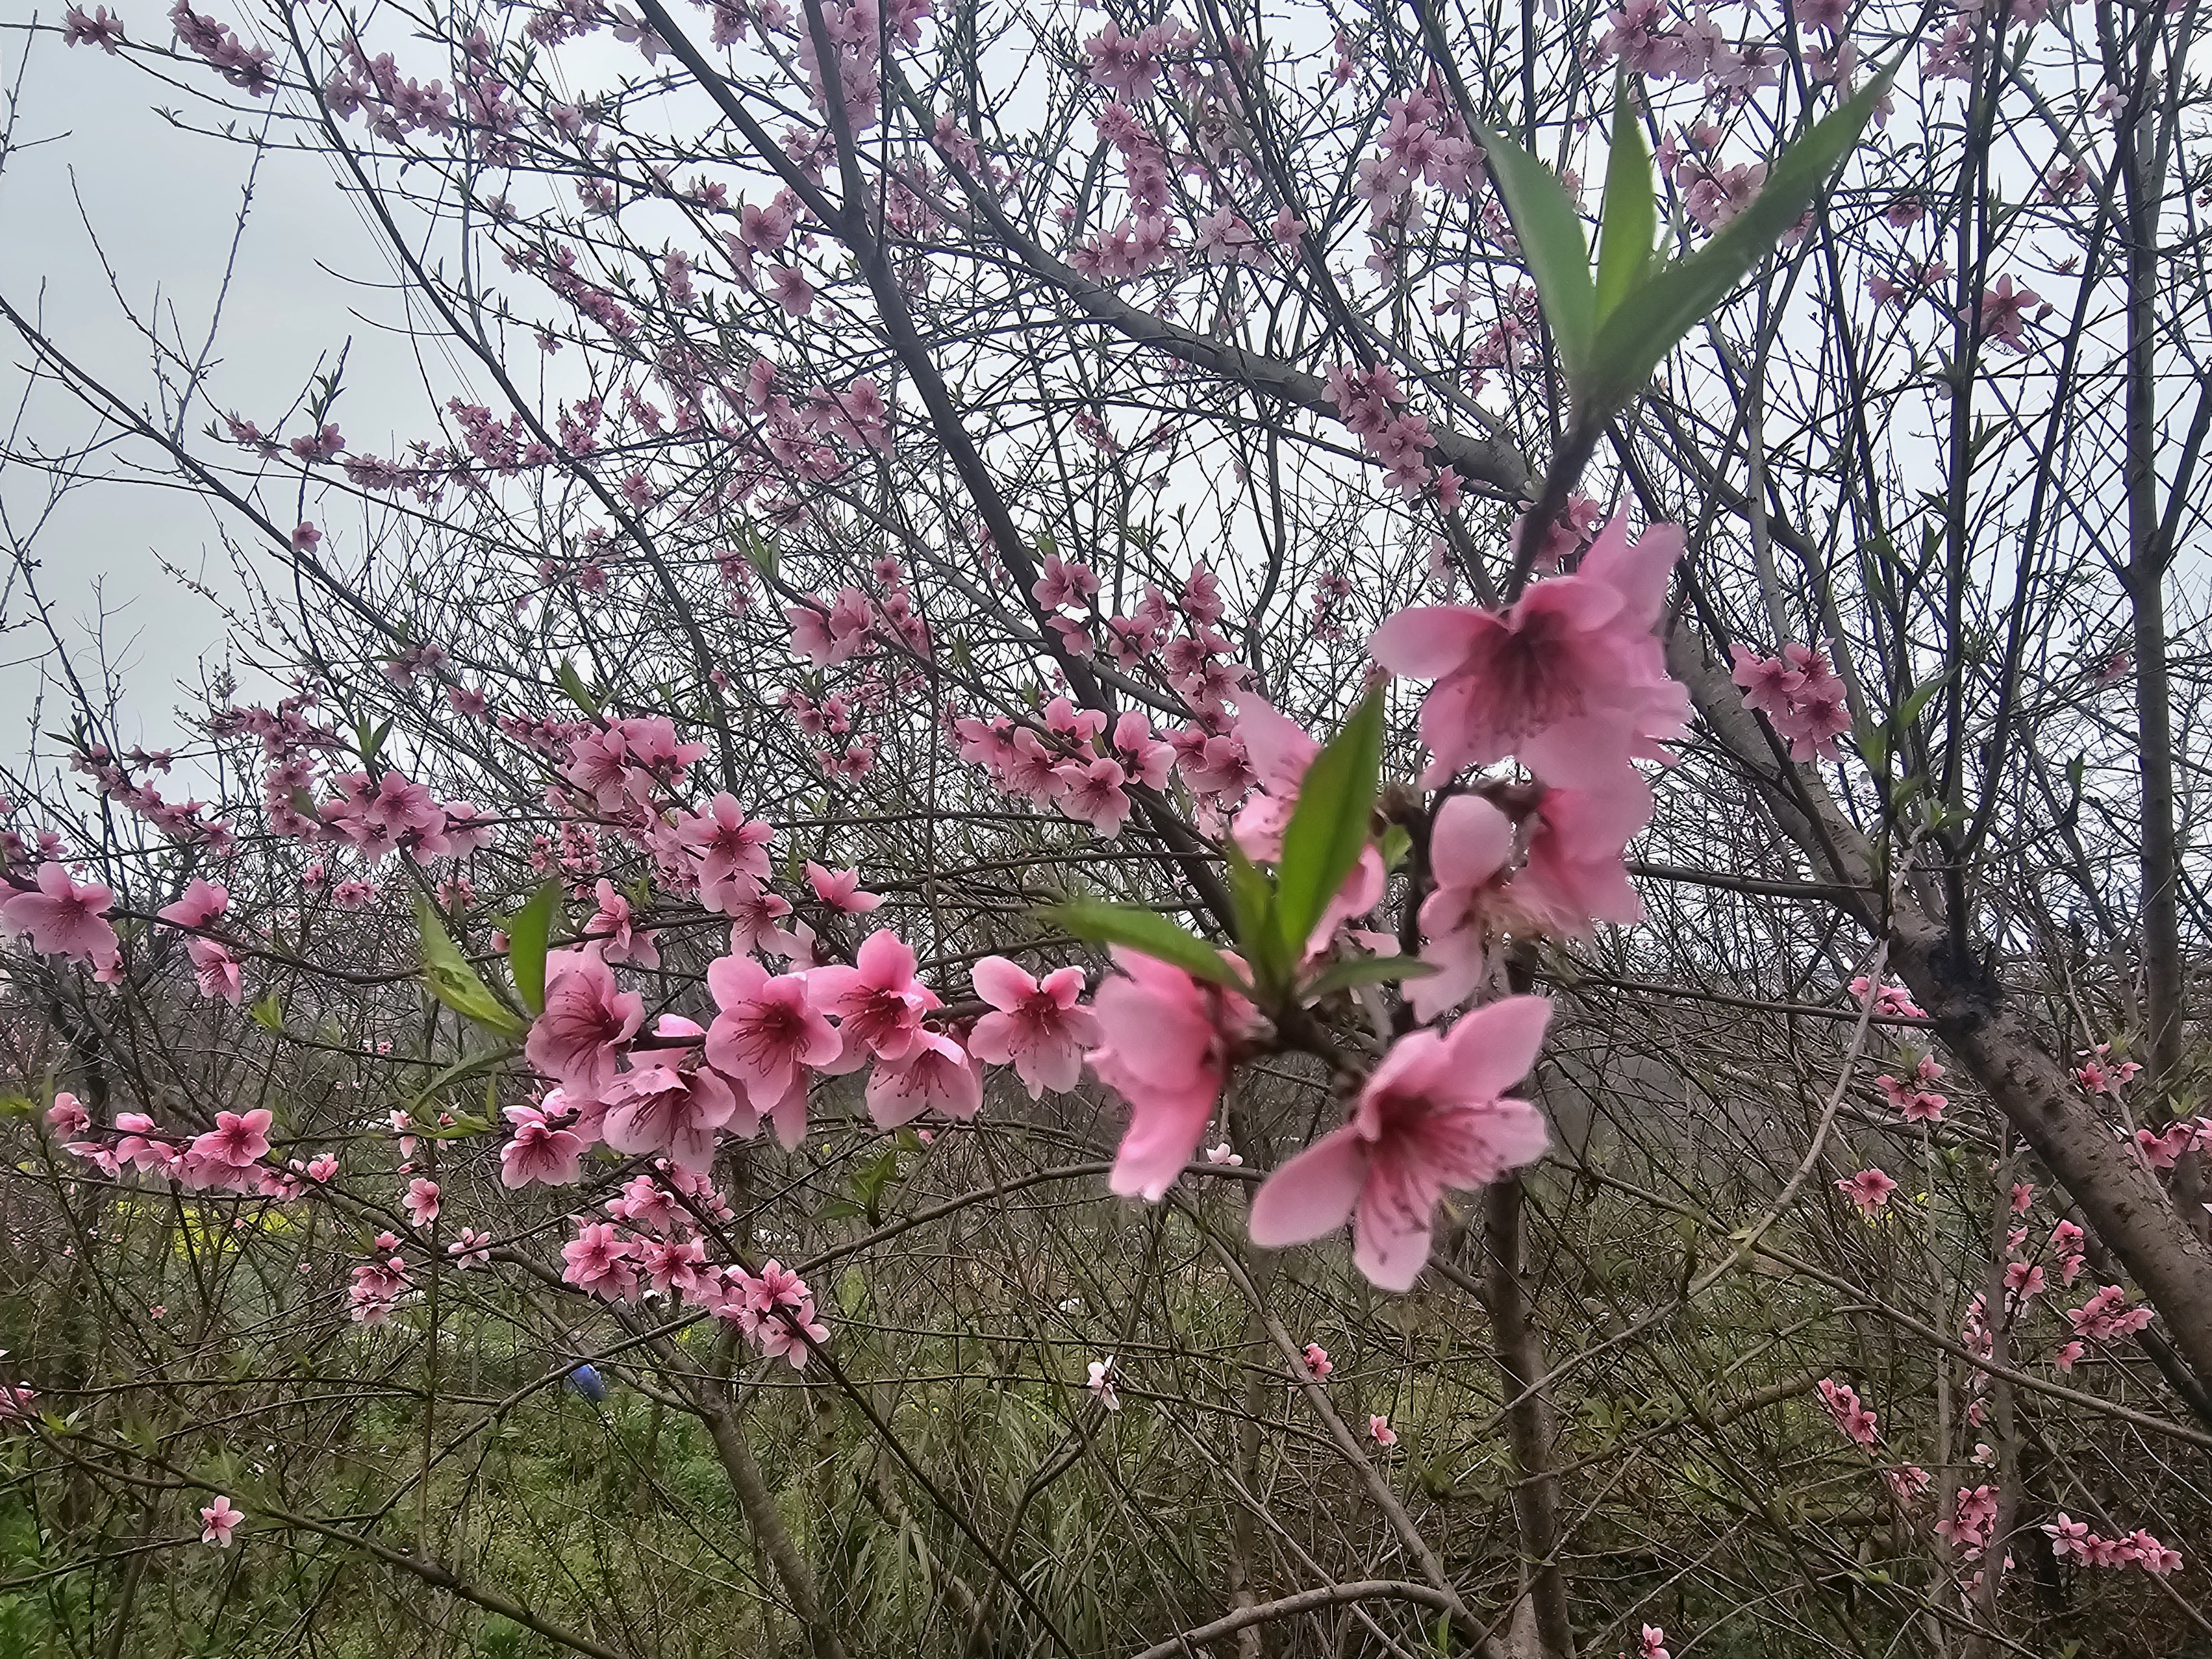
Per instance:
x=1869, y=1189
x=1433, y=1114
x=618, y=938
x=218, y=1521
x=1570, y=681
x=840, y=890
x=599, y=1260
x=238, y=1139
x=1168, y=1040
x=422, y=1201
x=63, y=918
x=538, y=1152
x=766, y=1038
x=667, y=1108
x=878, y=1003
x=1035, y=1025
x=934, y=1073
x=586, y=1025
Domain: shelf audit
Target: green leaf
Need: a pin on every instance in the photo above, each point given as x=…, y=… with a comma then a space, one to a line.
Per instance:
x=760, y=552
x=450, y=979
x=1328, y=828
x=18, y=1106
x=1397, y=842
x=1672, y=300
x=1629, y=219
x=1912, y=709
x=1550, y=231
x=460, y=1068
x=1253, y=895
x=528, y=931
x=1361, y=970
x=1145, y=931
x=573, y=684
x=268, y=1014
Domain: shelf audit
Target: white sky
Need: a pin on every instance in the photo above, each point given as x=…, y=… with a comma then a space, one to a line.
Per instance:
x=163, y=205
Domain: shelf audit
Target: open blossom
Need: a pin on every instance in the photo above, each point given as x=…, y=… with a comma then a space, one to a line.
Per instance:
x=878, y=1002
x=218, y=1521
x=1652, y=1643
x=1034, y=1025
x=1798, y=692
x=1856, y=1422
x=667, y=1108
x=214, y=970
x=618, y=938
x=1972, y=1520
x=66, y=1117
x=935, y=1073
x=732, y=850
x=2105, y=1316
x=1101, y=1383
x=1379, y=1429
x=1869, y=1189
x=63, y=918
x=1093, y=793
x=201, y=903
x=1571, y=680
x=238, y=1139
x=1433, y=1116
x=840, y=890
x=1890, y=1001
x=538, y=1152
x=1168, y=1039
x=766, y=1038
x=599, y=1260
x=422, y=1201
x=1318, y=1363
x=586, y=1025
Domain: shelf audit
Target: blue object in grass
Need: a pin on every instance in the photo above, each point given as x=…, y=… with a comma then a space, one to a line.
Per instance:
x=587, y=1382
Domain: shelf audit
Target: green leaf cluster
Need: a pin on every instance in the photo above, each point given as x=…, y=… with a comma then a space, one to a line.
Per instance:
x=1614, y=328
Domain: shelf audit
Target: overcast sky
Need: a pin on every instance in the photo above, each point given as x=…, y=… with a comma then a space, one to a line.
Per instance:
x=162, y=203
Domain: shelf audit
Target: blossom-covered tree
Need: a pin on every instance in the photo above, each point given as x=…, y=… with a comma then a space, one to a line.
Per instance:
x=1030, y=657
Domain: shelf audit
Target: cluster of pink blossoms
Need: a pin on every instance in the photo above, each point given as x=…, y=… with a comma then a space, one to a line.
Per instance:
x=1855, y=1420
x=1910, y=1097
x=232, y=1156
x=2106, y=1317
x=1799, y=694
x=652, y=1243
x=2069, y=1537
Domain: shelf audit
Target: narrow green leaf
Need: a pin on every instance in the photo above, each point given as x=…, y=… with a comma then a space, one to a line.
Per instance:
x=268, y=1014
x=1146, y=931
x=464, y=1067
x=1361, y=970
x=1254, y=897
x=760, y=552
x=573, y=684
x=1328, y=828
x=1674, y=297
x=1629, y=219
x=527, y=932
x=450, y=979
x=1550, y=231
x=1910, y=710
